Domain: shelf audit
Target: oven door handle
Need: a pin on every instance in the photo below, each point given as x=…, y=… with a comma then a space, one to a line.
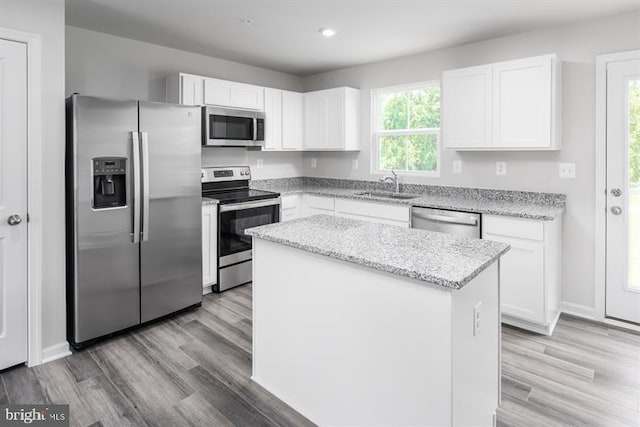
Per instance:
x=249, y=205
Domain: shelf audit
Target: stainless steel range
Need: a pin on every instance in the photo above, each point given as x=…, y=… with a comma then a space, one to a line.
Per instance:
x=239, y=208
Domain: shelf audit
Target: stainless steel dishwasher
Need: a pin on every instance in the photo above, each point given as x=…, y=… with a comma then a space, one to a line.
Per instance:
x=452, y=222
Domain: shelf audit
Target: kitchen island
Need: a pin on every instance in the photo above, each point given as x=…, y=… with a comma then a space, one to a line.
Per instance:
x=357, y=323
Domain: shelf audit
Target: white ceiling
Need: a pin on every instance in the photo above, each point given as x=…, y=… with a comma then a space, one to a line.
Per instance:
x=284, y=34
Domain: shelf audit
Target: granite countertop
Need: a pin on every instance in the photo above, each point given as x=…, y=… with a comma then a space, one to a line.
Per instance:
x=436, y=258
x=540, y=206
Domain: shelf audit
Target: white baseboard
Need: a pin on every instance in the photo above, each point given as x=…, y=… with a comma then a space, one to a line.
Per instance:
x=56, y=351
x=579, y=310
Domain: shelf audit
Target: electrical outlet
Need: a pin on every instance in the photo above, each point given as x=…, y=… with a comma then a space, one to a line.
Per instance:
x=567, y=170
x=457, y=166
x=314, y=162
x=259, y=163
x=501, y=168
x=477, y=317
x=354, y=164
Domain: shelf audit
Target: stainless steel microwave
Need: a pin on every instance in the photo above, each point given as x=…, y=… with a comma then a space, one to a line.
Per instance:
x=230, y=127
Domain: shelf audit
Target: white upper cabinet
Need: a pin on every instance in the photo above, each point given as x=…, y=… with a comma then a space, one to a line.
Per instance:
x=513, y=105
x=332, y=119
x=231, y=94
x=467, y=99
x=185, y=89
x=284, y=120
x=273, y=119
x=292, y=120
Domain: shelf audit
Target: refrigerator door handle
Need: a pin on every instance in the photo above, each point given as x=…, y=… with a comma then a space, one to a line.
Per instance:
x=145, y=186
x=135, y=139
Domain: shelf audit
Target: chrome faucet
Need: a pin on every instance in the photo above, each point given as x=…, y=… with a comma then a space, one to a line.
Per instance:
x=393, y=178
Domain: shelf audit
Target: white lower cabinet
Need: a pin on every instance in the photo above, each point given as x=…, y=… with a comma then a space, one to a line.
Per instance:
x=364, y=211
x=373, y=212
x=290, y=207
x=529, y=272
x=209, y=247
x=314, y=205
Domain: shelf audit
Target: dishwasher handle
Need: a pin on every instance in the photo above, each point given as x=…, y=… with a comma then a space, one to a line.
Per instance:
x=444, y=218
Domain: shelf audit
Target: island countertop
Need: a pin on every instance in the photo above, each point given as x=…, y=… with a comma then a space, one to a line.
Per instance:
x=432, y=257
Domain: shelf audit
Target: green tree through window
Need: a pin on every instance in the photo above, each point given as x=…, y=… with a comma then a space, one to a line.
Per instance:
x=407, y=128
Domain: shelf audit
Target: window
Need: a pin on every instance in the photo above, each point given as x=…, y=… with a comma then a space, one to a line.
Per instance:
x=406, y=129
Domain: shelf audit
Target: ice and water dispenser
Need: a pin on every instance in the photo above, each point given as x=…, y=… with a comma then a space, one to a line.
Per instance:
x=109, y=182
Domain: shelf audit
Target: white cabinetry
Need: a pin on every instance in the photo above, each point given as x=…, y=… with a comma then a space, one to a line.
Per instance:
x=314, y=205
x=529, y=272
x=189, y=89
x=209, y=246
x=185, y=89
x=290, y=207
x=512, y=105
x=383, y=213
x=332, y=119
x=232, y=94
x=284, y=122
x=374, y=212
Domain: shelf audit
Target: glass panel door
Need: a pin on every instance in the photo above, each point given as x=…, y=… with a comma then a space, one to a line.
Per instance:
x=623, y=191
x=230, y=127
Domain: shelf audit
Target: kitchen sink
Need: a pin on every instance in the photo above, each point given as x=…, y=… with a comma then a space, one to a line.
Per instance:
x=397, y=196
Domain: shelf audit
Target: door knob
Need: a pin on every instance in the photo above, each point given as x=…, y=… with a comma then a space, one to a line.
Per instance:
x=616, y=192
x=616, y=210
x=14, y=220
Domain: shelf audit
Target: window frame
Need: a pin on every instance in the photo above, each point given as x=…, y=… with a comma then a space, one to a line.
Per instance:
x=376, y=95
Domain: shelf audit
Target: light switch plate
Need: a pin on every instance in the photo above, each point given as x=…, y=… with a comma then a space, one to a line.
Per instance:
x=314, y=162
x=567, y=170
x=501, y=168
x=457, y=166
x=259, y=163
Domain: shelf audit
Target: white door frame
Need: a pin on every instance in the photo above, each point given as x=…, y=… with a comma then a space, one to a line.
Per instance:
x=601, y=183
x=34, y=188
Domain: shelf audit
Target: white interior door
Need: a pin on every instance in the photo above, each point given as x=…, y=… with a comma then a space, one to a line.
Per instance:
x=13, y=203
x=623, y=191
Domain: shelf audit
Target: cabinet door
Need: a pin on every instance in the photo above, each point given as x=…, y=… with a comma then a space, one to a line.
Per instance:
x=334, y=118
x=466, y=107
x=292, y=120
x=192, y=90
x=209, y=245
x=522, y=279
x=522, y=100
x=313, y=205
x=247, y=96
x=315, y=118
x=218, y=92
x=273, y=119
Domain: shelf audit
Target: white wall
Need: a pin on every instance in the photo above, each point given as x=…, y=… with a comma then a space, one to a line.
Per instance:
x=577, y=46
x=46, y=17
x=105, y=65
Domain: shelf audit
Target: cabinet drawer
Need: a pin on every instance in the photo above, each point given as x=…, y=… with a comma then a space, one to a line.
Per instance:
x=403, y=224
x=319, y=202
x=513, y=227
x=373, y=210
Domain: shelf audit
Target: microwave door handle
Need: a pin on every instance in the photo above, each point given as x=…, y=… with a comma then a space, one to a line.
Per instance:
x=135, y=150
x=255, y=129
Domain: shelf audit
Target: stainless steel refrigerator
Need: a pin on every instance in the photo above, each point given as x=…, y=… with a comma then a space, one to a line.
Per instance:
x=134, y=213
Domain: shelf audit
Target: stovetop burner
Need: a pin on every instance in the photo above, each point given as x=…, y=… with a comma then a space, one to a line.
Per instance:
x=231, y=185
x=238, y=196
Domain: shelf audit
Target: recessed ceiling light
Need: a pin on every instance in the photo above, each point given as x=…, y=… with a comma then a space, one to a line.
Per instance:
x=327, y=32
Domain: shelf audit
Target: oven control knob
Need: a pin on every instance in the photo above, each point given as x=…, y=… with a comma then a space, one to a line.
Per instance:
x=241, y=172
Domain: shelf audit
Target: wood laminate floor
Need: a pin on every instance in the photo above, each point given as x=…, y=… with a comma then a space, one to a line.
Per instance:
x=194, y=370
